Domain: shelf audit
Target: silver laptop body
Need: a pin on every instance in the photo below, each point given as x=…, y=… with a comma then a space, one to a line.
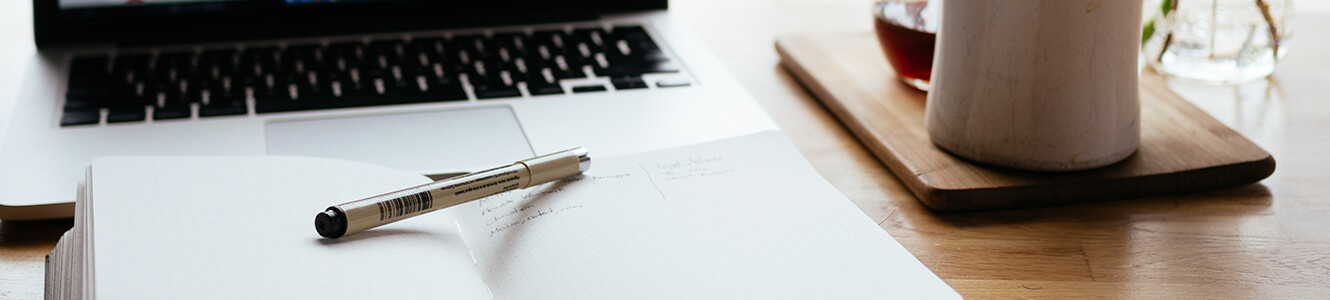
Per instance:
x=693, y=99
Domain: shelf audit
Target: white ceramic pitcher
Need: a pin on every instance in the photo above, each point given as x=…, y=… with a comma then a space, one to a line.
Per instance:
x=1046, y=85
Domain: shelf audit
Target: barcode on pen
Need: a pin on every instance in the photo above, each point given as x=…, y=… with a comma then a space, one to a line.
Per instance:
x=402, y=206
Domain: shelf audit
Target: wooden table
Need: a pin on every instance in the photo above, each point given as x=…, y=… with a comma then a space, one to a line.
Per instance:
x=1266, y=240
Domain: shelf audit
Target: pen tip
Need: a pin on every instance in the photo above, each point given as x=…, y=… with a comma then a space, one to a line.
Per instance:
x=583, y=159
x=330, y=223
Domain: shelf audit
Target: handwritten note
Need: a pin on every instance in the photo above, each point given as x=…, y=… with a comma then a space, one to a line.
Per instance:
x=505, y=212
x=691, y=168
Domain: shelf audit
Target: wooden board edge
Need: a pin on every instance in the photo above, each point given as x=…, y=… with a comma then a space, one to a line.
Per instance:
x=1175, y=183
x=861, y=132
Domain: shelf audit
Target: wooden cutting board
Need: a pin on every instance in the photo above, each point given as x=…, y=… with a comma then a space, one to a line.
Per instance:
x=1182, y=148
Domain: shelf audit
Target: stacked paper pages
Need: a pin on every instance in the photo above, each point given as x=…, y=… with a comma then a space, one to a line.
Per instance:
x=739, y=218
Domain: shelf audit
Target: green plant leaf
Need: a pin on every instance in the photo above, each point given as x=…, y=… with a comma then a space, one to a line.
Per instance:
x=1147, y=32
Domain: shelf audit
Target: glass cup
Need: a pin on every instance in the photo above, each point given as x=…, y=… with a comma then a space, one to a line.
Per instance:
x=1222, y=41
x=907, y=30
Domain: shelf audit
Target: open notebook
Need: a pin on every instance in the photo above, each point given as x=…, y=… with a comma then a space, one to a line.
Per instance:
x=739, y=218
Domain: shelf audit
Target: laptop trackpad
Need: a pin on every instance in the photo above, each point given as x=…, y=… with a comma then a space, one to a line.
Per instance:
x=426, y=142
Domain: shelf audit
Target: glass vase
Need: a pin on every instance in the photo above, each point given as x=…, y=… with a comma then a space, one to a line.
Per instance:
x=1221, y=41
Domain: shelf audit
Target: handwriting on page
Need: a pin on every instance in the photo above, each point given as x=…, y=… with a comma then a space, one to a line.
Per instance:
x=693, y=167
x=504, y=212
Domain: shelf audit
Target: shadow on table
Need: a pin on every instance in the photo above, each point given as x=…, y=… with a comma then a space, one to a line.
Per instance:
x=1249, y=199
x=26, y=234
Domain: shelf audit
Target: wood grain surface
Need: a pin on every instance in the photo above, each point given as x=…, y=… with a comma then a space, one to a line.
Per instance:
x=1182, y=148
x=1265, y=240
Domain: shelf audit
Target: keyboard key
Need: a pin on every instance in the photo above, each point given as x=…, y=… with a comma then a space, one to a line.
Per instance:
x=274, y=100
x=309, y=88
x=276, y=105
x=133, y=66
x=357, y=95
x=407, y=90
x=82, y=68
x=447, y=93
x=554, y=42
x=542, y=87
x=570, y=72
x=588, y=88
x=173, y=61
x=125, y=114
x=514, y=44
x=126, y=100
x=222, y=102
x=669, y=83
x=444, y=88
x=302, y=98
x=100, y=90
x=194, y=90
x=474, y=46
x=628, y=82
x=484, y=91
x=513, y=72
x=91, y=82
x=223, y=109
x=430, y=46
x=590, y=42
x=626, y=54
x=80, y=117
x=224, y=61
x=635, y=36
x=392, y=47
x=81, y=104
x=255, y=62
x=163, y=93
x=170, y=112
x=627, y=30
x=101, y=96
x=88, y=97
x=638, y=69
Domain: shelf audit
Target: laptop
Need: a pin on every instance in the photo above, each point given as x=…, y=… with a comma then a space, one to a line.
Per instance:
x=435, y=87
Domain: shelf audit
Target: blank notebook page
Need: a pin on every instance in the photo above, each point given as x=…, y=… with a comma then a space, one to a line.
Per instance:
x=242, y=228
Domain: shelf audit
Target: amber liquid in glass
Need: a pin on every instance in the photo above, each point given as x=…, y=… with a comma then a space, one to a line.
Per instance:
x=907, y=39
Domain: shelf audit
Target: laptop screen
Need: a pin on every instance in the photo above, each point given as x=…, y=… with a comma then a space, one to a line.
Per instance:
x=77, y=4
x=60, y=23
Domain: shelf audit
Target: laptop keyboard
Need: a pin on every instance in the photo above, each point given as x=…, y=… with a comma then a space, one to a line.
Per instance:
x=298, y=77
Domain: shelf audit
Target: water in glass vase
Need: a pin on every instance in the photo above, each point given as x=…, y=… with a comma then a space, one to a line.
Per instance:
x=1223, y=41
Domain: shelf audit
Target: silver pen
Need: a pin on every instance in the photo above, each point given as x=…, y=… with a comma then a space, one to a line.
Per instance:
x=360, y=215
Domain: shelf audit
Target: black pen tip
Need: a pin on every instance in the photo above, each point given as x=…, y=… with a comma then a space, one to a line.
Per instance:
x=330, y=223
